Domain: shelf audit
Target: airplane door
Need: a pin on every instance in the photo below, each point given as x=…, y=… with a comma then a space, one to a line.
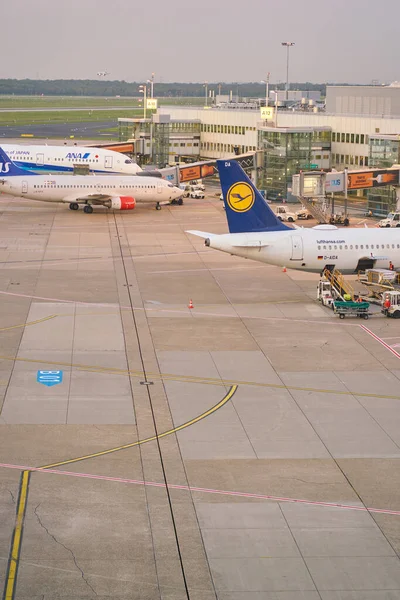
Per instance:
x=159, y=187
x=297, y=247
x=108, y=162
x=24, y=187
x=39, y=159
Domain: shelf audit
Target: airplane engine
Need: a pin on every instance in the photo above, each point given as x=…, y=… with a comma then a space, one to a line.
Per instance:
x=121, y=203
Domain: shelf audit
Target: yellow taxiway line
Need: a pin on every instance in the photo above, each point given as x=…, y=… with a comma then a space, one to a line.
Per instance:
x=205, y=414
x=202, y=380
x=12, y=569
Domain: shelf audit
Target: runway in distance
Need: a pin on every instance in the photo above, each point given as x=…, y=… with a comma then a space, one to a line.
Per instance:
x=119, y=192
x=257, y=234
x=63, y=159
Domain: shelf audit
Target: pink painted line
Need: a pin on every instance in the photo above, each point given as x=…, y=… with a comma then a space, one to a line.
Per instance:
x=380, y=340
x=180, y=312
x=203, y=490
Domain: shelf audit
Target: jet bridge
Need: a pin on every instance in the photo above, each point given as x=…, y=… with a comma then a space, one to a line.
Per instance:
x=313, y=187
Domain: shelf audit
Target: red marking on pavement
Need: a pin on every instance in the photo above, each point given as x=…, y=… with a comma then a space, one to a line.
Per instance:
x=203, y=490
x=380, y=340
x=171, y=310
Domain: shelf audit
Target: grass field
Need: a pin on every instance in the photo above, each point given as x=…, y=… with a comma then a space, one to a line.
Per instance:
x=35, y=102
x=73, y=116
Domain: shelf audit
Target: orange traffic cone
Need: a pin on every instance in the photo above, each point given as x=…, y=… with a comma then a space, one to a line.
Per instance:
x=190, y=304
x=283, y=269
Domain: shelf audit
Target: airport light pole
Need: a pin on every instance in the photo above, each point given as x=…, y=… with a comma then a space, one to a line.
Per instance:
x=206, y=87
x=276, y=107
x=151, y=82
x=266, y=81
x=288, y=46
x=143, y=90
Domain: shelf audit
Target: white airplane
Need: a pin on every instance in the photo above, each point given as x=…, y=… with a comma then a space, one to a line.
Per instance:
x=114, y=191
x=103, y=73
x=63, y=159
x=256, y=233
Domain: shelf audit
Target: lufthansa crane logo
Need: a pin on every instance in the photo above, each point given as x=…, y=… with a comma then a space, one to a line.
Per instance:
x=240, y=197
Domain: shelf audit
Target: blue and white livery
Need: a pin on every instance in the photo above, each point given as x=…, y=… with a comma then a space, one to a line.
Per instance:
x=63, y=159
x=257, y=234
x=119, y=192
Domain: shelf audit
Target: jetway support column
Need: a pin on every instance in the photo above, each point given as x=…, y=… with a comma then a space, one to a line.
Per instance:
x=397, y=198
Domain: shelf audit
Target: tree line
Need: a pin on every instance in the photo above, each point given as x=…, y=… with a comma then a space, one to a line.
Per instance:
x=89, y=87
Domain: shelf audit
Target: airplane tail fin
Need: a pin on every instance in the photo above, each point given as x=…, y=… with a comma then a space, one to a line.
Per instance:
x=9, y=169
x=246, y=209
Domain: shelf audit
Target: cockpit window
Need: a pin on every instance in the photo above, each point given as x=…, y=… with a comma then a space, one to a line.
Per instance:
x=128, y=161
x=170, y=185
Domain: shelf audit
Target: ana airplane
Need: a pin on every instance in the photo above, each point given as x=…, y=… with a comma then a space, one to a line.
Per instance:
x=103, y=73
x=63, y=159
x=256, y=233
x=114, y=191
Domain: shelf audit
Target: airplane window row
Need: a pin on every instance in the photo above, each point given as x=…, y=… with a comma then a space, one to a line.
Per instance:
x=361, y=247
x=94, y=160
x=53, y=185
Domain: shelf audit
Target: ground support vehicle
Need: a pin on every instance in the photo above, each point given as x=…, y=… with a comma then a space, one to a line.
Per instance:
x=394, y=309
x=351, y=309
x=303, y=214
x=285, y=215
x=339, y=219
x=326, y=293
x=199, y=194
x=392, y=220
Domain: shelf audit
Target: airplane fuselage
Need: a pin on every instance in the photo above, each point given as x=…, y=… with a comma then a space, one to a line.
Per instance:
x=315, y=248
x=63, y=159
x=69, y=188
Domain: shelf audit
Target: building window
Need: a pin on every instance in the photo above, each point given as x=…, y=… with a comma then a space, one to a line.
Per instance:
x=362, y=138
x=343, y=138
x=347, y=138
x=352, y=138
x=357, y=138
x=333, y=136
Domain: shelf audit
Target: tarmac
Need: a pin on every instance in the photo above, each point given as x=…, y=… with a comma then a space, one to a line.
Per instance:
x=245, y=449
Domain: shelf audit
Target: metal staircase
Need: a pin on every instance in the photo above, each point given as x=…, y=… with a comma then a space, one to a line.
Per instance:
x=316, y=209
x=339, y=283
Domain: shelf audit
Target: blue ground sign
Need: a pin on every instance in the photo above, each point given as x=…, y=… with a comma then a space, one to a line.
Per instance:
x=49, y=378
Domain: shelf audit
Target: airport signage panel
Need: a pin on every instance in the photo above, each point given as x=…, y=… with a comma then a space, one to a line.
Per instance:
x=267, y=113
x=49, y=378
x=334, y=182
x=370, y=179
x=151, y=103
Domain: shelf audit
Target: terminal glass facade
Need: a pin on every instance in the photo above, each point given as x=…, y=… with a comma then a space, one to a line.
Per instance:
x=384, y=151
x=287, y=152
x=162, y=143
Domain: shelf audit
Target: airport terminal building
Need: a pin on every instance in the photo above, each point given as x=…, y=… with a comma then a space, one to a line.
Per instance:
x=359, y=127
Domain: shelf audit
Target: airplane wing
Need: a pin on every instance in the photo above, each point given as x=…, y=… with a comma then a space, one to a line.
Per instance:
x=202, y=234
x=92, y=198
x=244, y=244
x=251, y=244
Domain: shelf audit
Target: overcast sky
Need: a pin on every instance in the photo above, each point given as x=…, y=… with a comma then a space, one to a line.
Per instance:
x=215, y=40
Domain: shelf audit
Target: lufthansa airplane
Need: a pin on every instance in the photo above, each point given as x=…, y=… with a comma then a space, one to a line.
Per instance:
x=256, y=233
x=119, y=192
x=63, y=159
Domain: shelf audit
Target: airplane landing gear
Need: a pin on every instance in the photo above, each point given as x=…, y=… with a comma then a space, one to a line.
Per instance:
x=74, y=206
x=158, y=206
x=88, y=209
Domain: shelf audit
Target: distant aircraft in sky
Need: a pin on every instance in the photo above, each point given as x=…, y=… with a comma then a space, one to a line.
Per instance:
x=255, y=232
x=103, y=73
x=119, y=192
